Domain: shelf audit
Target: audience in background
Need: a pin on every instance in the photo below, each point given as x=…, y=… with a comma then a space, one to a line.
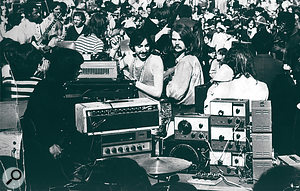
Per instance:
x=244, y=84
x=217, y=62
x=50, y=31
x=78, y=28
x=267, y=68
x=92, y=41
x=27, y=29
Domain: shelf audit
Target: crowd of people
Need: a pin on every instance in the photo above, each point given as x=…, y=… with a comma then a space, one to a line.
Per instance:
x=166, y=48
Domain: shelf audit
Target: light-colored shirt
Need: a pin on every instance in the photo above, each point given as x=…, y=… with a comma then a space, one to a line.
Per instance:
x=23, y=32
x=149, y=75
x=219, y=40
x=239, y=88
x=188, y=74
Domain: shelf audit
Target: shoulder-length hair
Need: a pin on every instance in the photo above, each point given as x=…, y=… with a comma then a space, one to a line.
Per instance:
x=191, y=38
x=64, y=64
x=137, y=37
x=241, y=60
x=97, y=25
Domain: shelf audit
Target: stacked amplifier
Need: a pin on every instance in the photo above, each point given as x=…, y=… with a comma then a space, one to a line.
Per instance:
x=119, y=127
x=190, y=141
x=229, y=135
x=261, y=137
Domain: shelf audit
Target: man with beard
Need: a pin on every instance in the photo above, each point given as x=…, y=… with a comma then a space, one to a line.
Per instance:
x=144, y=67
x=24, y=32
x=187, y=72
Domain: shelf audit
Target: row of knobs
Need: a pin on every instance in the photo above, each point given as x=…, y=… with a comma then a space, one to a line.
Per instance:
x=201, y=135
x=221, y=112
x=114, y=150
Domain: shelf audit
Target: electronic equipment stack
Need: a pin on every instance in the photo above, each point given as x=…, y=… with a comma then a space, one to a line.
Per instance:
x=119, y=127
x=261, y=137
x=190, y=141
x=229, y=134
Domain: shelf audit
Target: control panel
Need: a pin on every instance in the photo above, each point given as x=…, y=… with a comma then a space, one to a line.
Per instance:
x=126, y=149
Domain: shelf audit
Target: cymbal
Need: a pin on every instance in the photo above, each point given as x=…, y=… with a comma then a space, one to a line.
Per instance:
x=163, y=165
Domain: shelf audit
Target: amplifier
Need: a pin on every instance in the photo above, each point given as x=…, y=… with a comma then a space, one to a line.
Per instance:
x=262, y=145
x=200, y=96
x=224, y=133
x=227, y=158
x=231, y=146
x=260, y=166
x=230, y=107
x=240, y=165
x=10, y=141
x=100, y=90
x=261, y=116
x=230, y=121
x=98, y=70
x=192, y=126
x=117, y=116
x=192, y=150
x=122, y=144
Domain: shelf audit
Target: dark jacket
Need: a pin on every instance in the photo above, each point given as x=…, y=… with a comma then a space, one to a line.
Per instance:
x=72, y=34
x=267, y=69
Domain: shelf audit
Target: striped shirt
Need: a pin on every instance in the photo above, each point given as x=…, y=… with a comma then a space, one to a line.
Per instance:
x=16, y=89
x=89, y=44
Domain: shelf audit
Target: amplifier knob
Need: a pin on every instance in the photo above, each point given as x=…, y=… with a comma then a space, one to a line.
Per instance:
x=200, y=126
x=107, y=151
x=120, y=149
x=114, y=150
x=133, y=148
x=237, y=121
x=221, y=113
x=184, y=127
x=201, y=135
x=127, y=149
x=229, y=120
x=237, y=111
x=238, y=136
x=139, y=147
x=236, y=161
x=193, y=135
x=221, y=138
x=230, y=145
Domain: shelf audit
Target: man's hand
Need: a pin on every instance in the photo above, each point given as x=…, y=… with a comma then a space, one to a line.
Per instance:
x=55, y=150
x=115, y=42
x=128, y=76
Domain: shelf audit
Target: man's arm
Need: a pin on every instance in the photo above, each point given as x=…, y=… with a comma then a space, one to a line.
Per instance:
x=157, y=71
x=180, y=82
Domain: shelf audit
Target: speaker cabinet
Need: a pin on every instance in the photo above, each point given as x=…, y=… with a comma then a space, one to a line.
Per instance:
x=192, y=150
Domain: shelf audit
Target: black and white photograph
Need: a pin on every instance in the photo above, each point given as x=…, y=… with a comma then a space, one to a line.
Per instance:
x=149, y=95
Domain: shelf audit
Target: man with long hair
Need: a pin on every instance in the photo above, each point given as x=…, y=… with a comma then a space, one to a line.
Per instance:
x=187, y=72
